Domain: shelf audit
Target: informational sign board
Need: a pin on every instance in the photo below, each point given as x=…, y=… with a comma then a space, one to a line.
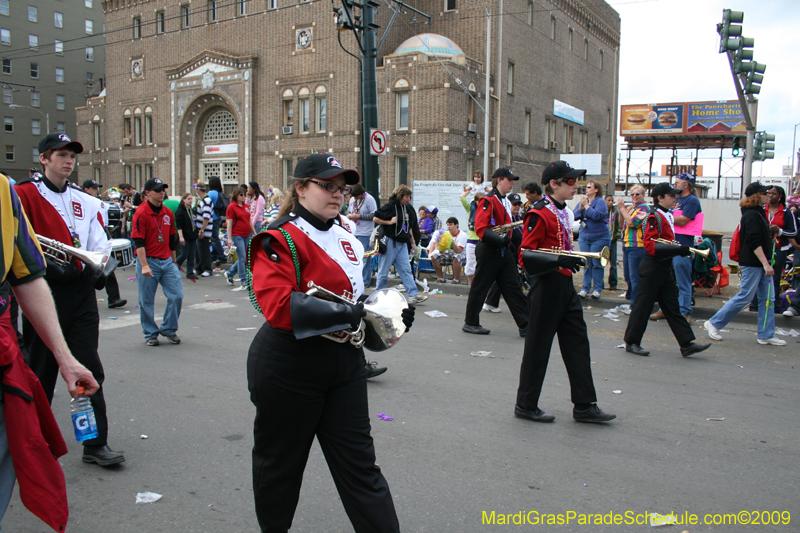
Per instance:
x=674, y=170
x=566, y=111
x=445, y=196
x=593, y=163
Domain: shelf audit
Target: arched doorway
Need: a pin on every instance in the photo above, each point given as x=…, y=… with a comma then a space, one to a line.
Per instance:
x=219, y=150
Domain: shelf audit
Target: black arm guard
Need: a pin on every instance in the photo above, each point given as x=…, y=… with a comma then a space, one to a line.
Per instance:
x=668, y=251
x=539, y=263
x=493, y=239
x=314, y=316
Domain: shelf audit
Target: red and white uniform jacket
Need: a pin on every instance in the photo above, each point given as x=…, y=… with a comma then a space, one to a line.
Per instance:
x=543, y=230
x=329, y=255
x=658, y=226
x=492, y=211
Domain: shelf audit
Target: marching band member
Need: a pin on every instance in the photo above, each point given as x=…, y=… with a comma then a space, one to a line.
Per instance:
x=495, y=259
x=554, y=305
x=59, y=210
x=304, y=385
x=657, y=279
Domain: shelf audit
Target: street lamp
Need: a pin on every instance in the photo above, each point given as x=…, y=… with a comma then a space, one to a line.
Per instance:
x=45, y=115
x=794, y=140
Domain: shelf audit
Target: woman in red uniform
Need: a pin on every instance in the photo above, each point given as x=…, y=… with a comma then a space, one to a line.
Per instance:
x=554, y=305
x=304, y=385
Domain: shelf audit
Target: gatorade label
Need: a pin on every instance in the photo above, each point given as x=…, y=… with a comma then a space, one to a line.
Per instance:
x=85, y=426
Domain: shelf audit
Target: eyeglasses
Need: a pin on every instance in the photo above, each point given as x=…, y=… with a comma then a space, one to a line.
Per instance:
x=568, y=181
x=332, y=187
x=636, y=194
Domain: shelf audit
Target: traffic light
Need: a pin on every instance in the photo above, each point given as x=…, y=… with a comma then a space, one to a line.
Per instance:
x=737, y=145
x=754, y=78
x=743, y=55
x=757, y=147
x=729, y=30
x=767, y=146
x=343, y=17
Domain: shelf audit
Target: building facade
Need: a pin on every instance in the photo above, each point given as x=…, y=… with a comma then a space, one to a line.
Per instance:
x=52, y=54
x=243, y=89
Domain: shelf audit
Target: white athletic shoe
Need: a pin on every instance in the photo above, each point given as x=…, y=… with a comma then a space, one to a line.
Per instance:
x=582, y=294
x=713, y=332
x=596, y=295
x=791, y=312
x=775, y=341
x=239, y=288
x=419, y=298
x=491, y=308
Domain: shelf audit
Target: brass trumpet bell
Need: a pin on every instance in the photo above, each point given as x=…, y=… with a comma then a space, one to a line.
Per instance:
x=702, y=253
x=602, y=256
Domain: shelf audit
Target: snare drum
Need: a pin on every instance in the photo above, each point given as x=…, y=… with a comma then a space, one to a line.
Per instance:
x=114, y=215
x=122, y=250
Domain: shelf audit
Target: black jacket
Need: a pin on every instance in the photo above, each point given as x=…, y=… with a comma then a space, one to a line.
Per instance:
x=395, y=231
x=184, y=220
x=754, y=232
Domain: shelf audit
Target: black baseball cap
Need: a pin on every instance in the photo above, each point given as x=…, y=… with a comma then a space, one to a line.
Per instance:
x=504, y=172
x=90, y=184
x=560, y=169
x=57, y=141
x=324, y=167
x=755, y=188
x=155, y=184
x=514, y=198
x=663, y=189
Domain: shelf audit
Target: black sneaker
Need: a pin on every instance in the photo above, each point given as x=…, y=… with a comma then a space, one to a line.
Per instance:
x=229, y=278
x=117, y=303
x=101, y=455
x=152, y=341
x=593, y=414
x=174, y=339
x=373, y=369
x=477, y=330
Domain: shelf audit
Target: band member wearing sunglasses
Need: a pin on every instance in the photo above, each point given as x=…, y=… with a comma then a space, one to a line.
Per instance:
x=302, y=384
x=554, y=305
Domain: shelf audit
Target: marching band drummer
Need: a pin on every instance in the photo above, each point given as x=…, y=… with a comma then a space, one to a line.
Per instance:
x=554, y=305
x=304, y=385
x=48, y=199
x=657, y=278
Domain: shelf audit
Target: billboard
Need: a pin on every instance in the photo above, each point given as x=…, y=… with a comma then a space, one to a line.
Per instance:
x=684, y=118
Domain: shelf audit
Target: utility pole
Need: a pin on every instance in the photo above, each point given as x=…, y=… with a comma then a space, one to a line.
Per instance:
x=364, y=29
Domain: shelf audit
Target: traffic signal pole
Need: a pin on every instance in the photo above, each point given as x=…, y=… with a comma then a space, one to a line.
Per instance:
x=370, y=170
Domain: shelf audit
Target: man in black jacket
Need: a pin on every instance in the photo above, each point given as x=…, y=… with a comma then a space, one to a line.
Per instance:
x=755, y=260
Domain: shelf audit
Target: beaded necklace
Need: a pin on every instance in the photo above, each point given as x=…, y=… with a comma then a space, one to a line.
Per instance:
x=562, y=221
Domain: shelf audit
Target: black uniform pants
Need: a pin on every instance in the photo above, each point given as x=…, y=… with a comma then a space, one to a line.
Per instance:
x=112, y=288
x=555, y=309
x=203, y=255
x=305, y=389
x=76, y=305
x=493, y=265
x=657, y=284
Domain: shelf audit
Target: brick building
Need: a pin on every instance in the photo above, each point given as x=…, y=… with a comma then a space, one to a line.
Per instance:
x=52, y=58
x=243, y=88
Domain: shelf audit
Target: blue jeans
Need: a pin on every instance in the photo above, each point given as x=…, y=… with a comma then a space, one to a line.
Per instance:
x=754, y=282
x=397, y=255
x=631, y=258
x=683, y=275
x=216, y=246
x=367, y=270
x=257, y=225
x=240, y=265
x=167, y=274
x=593, y=275
x=7, y=476
x=187, y=254
x=613, y=278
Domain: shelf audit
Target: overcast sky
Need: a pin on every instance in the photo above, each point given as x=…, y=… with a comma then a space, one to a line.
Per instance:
x=670, y=53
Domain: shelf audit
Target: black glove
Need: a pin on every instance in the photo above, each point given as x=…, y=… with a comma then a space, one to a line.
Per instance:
x=493, y=239
x=685, y=252
x=571, y=262
x=408, y=316
x=666, y=251
x=358, y=312
x=61, y=276
x=98, y=280
x=506, y=241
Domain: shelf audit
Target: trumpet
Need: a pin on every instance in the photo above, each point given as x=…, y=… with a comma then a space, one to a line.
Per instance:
x=702, y=253
x=61, y=254
x=383, y=326
x=505, y=228
x=602, y=256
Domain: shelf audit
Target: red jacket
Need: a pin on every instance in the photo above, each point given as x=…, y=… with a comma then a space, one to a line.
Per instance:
x=490, y=213
x=34, y=440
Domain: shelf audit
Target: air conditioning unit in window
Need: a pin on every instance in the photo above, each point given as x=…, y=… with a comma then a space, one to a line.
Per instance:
x=571, y=150
x=472, y=128
x=126, y=142
x=287, y=130
x=554, y=145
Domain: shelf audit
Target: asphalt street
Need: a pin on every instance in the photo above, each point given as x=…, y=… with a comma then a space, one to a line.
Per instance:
x=715, y=433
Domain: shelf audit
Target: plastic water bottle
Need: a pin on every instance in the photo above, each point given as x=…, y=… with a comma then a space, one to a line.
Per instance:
x=83, y=421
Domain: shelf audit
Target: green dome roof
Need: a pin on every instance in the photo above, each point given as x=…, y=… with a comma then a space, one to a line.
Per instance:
x=430, y=44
